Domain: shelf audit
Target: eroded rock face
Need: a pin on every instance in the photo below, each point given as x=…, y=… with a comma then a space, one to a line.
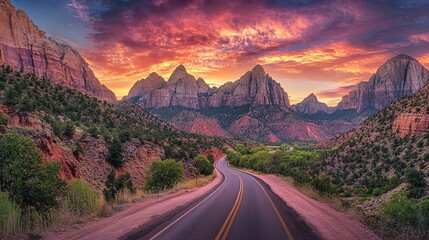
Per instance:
x=400, y=76
x=194, y=122
x=411, y=124
x=311, y=105
x=255, y=88
x=142, y=88
x=24, y=46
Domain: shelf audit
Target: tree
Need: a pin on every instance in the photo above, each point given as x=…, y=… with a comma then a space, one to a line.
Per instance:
x=69, y=129
x=417, y=182
x=164, y=175
x=29, y=182
x=3, y=120
x=115, y=185
x=211, y=159
x=115, y=154
x=203, y=165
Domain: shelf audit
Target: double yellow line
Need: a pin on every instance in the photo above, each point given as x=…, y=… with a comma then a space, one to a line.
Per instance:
x=223, y=233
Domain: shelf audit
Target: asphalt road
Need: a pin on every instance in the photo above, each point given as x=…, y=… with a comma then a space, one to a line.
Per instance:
x=241, y=207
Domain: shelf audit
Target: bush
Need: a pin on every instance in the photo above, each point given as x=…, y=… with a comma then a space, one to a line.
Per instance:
x=10, y=215
x=323, y=185
x=22, y=173
x=69, y=129
x=116, y=185
x=115, y=154
x=401, y=210
x=203, y=165
x=417, y=182
x=80, y=198
x=212, y=160
x=3, y=120
x=163, y=175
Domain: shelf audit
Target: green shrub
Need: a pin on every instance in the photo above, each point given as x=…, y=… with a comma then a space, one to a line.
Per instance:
x=115, y=154
x=80, y=198
x=323, y=185
x=3, y=120
x=10, y=216
x=69, y=129
x=116, y=185
x=401, y=209
x=203, y=165
x=22, y=173
x=212, y=160
x=417, y=182
x=423, y=211
x=164, y=175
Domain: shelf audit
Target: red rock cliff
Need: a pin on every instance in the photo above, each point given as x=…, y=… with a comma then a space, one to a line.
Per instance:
x=24, y=46
x=411, y=124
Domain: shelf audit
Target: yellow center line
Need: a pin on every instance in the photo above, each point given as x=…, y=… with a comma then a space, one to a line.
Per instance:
x=223, y=233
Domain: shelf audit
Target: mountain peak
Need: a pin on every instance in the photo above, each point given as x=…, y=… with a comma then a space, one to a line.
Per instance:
x=400, y=76
x=311, y=97
x=258, y=69
x=311, y=105
x=153, y=75
x=180, y=68
x=402, y=56
x=180, y=73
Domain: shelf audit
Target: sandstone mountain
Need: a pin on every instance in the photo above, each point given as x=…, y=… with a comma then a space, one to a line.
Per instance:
x=310, y=105
x=25, y=47
x=254, y=88
x=399, y=76
x=254, y=107
x=383, y=146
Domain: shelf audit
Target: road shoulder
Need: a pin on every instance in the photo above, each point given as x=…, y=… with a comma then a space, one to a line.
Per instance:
x=135, y=215
x=328, y=222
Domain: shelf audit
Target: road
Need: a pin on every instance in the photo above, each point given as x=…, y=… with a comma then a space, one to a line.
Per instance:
x=241, y=207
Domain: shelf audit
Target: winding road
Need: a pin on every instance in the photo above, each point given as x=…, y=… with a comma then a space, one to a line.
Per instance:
x=240, y=207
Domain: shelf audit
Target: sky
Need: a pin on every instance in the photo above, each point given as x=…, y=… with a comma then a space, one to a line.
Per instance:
x=321, y=47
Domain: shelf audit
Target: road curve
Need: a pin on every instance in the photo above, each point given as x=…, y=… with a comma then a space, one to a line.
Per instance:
x=241, y=207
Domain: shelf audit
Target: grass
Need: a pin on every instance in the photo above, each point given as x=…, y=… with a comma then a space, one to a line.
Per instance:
x=10, y=216
x=80, y=204
x=194, y=182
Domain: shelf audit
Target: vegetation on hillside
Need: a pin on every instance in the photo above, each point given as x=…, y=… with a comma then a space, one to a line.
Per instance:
x=406, y=213
x=65, y=108
x=286, y=160
x=33, y=197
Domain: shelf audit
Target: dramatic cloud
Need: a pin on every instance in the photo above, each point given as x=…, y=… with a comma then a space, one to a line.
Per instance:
x=333, y=43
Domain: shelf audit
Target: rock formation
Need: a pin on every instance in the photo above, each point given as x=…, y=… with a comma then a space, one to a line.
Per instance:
x=194, y=122
x=24, y=46
x=255, y=88
x=142, y=88
x=400, y=76
x=310, y=105
x=411, y=124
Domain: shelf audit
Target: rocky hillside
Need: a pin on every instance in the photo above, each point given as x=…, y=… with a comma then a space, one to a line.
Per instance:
x=400, y=76
x=25, y=47
x=78, y=130
x=194, y=122
x=254, y=88
x=383, y=146
x=311, y=105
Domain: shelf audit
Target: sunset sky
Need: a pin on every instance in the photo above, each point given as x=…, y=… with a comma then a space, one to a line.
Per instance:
x=323, y=47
